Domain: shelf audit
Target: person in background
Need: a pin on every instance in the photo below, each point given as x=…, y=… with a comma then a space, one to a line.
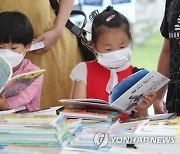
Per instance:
x=61, y=51
x=169, y=63
x=16, y=36
x=111, y=40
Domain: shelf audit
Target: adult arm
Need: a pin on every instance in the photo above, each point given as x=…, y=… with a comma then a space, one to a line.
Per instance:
x=163, y=68
x=50, y=37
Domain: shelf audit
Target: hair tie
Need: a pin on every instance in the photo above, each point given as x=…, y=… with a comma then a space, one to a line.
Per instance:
x=110, y=17
x=93, y=15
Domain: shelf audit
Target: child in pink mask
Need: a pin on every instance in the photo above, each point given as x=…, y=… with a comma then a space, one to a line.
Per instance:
x=111, y=40
x=16, y=36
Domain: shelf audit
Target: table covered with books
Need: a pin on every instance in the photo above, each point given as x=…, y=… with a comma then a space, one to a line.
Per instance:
x=46, y=132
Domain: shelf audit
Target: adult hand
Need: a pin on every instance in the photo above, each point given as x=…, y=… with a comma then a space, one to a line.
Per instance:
x=49, y=38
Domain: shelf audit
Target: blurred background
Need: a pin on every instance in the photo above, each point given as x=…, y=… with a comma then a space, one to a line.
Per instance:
x=145, y=17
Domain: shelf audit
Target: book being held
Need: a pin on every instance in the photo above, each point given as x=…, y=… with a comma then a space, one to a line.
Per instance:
x=126, y=94
x=16, y=83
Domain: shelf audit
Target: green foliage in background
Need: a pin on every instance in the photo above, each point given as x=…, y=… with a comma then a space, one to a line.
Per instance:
x=146, y=55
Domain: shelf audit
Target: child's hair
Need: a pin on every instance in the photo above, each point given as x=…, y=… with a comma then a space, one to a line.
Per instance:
x=15, y=27
x=108, y=18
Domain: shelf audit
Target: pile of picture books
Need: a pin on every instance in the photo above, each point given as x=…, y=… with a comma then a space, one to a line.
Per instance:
x=33, y=130
x=91, y=135
x=168, y=127
x=85, y=139
x=153, y=126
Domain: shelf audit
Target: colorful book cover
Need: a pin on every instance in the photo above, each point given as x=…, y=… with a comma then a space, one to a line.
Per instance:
x=129, y=99
x=13, y=85
x=21, y=82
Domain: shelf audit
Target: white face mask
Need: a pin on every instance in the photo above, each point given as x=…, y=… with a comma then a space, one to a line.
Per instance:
x=12, y=57
x=115, y=59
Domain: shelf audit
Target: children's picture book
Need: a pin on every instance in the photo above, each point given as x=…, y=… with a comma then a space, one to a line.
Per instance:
x=15, y=84
x=129, y=99
x=89, y=114
x=126, y=94
x=166, y=127
x=155, y=117
x=86, y=103
x=13, y=110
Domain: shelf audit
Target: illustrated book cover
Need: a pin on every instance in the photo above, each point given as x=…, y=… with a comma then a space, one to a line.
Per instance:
x=17, y=83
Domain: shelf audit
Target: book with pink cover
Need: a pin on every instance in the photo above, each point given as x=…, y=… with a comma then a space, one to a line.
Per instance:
x=17, y=83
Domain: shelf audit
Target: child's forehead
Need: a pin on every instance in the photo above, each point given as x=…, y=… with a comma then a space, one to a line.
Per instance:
x=113, y=35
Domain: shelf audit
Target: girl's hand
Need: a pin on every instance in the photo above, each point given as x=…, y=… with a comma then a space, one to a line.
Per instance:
x=146, y=102
x=3, y=102
x=49, y=38
x=159, y=107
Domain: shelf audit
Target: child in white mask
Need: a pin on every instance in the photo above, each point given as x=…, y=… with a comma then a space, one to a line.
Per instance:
x=111, y=40
x=16, y=36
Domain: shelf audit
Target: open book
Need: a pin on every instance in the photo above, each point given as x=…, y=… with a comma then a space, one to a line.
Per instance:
x=16, y=83
x=126, y=95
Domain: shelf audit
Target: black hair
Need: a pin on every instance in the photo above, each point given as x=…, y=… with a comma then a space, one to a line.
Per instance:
x=15, y=27
x=100, y=20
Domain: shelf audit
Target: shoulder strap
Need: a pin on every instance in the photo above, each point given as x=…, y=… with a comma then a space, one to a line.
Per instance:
x=71, y=26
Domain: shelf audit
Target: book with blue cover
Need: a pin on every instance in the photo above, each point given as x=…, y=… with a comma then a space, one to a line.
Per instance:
x=126, y=94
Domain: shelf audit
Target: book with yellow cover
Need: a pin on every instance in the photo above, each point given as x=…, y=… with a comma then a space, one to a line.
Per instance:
x=17, y=83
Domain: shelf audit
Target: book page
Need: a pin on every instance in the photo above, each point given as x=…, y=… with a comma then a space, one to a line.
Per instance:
x=86, y=103
x=22, y=81
x=153, y=81
x=88, y=100
x=5, y=72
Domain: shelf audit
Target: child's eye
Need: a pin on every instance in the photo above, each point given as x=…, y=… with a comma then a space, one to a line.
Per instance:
x=108, y=50
x=13, y=48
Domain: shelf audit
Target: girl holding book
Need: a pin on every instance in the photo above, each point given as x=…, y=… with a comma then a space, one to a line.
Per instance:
x=16, y=36
x=111, y=38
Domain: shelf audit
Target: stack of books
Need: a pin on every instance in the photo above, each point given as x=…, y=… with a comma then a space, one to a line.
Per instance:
x=85, y=139
x=33, y=130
